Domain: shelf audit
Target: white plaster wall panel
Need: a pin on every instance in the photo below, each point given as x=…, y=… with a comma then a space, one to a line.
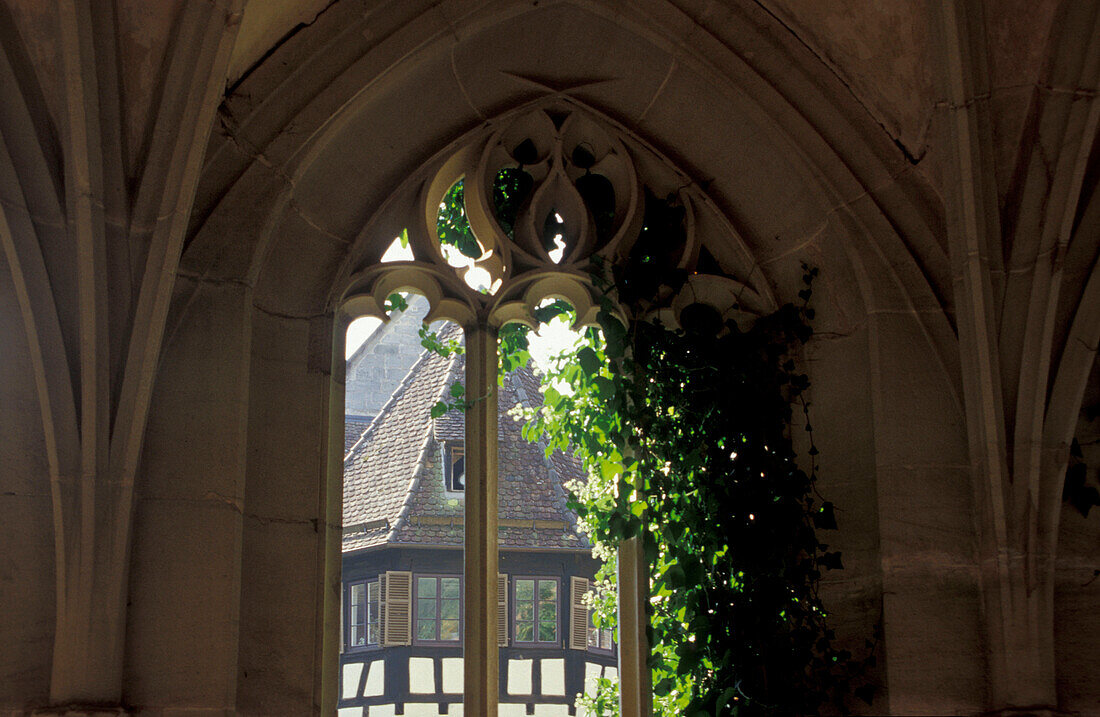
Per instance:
x=349, y=712
x=551, y=711
x=381, y=711
x=611, y=673
x=376, y=679
x=452, y=675
x=349, y=680
x=519, y=677
x=592, y=672
x=553, y=677
x=421, y=709
x=456, y=710
x=421, y=675
x=510, y=709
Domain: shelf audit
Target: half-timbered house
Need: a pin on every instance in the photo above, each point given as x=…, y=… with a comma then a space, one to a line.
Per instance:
x=404, y=487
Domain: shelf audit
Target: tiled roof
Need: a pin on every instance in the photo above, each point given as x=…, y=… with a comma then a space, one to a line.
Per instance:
x=353, y=429
x=393, y=477
x=378, y=472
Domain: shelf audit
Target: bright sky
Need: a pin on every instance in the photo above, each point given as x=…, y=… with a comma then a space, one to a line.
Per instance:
x=549, y=341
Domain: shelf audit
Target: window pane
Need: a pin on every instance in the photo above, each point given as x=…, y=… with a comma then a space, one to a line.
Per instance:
x=525, y=611
x=548, y=590
x=593, y=637
x=448, y=609
x=425, y=629
x=525, y=589
x=525, y=632
x=357, y=636
x=449, y=588
x=425, y=608
x=548, y=612
x=448, y=630
x=373, y=613
x=425, y=587
x=548, y=632
x=458, y=474
x=605, y=639
x=356, y=595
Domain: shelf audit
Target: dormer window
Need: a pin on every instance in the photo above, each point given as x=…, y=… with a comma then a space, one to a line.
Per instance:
x=454, y=467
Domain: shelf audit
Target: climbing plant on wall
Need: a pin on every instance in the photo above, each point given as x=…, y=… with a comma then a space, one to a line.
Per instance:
x=687, y=437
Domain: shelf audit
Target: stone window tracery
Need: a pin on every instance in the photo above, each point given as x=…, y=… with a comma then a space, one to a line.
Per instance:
x=549, y=195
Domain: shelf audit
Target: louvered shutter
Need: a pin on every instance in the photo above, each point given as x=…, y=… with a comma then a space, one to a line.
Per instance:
x=578, y=614
x=398, y=614
x=502, y=610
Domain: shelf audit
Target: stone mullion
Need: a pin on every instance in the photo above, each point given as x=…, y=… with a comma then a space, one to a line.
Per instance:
x=635, y=690
x=481, y=652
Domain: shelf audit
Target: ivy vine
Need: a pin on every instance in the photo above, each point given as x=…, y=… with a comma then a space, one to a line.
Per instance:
x=686, y=438
x=1076, y=489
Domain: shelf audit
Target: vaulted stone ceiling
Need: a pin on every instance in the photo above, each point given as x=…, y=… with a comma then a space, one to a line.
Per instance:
x=186, y=188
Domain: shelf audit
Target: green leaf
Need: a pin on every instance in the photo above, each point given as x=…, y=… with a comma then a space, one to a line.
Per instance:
x=395, y=302
x=457, y=390
x=589, y=361
x=825, y=517
x=439, y=409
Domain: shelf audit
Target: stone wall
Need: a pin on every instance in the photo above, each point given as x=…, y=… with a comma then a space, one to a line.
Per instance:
x=377, y=366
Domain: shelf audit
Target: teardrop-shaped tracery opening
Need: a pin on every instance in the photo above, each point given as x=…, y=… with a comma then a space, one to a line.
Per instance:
x=512, y=186
x=553, y=236
x=599, y=196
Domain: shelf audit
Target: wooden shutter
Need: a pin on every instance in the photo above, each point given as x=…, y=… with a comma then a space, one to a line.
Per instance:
x=398, y=614
x=578, y=614
x=502, y=610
